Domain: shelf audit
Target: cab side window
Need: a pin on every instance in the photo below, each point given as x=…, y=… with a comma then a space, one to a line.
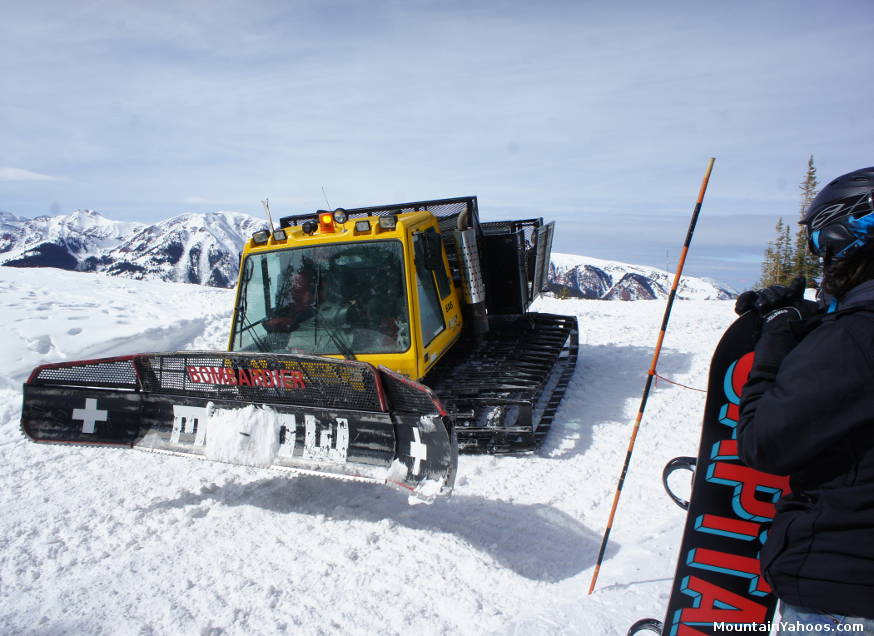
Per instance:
x=431, y=315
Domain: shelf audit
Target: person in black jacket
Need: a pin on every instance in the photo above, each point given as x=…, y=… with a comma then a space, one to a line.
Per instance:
x=807, y=411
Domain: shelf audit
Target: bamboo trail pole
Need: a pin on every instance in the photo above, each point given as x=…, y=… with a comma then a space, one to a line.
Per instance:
x=652, y=371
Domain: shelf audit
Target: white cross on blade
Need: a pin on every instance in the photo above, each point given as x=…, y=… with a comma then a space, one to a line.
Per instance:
x=90, y=415
x=418, y=451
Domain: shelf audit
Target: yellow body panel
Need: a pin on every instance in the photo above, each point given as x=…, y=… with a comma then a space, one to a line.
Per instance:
x=421, y=356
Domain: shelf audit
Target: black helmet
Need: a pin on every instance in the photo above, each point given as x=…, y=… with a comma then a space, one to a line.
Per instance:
x=841, y=217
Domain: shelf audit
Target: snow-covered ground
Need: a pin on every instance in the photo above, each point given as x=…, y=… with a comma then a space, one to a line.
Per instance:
x=102, y=541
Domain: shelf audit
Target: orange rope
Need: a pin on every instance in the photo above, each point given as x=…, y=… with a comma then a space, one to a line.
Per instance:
x=661, y=377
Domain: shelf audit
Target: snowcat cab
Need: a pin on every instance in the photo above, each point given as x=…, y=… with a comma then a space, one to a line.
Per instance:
x=368, y=344
x=378, y=294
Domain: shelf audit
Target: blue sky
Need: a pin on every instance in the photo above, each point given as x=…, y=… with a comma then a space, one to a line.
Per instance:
x=599, y=115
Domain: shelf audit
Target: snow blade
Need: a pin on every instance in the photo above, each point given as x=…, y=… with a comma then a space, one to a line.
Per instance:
x=336, y=418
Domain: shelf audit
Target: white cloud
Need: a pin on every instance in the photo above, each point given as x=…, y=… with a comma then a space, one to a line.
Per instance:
x=20, y=174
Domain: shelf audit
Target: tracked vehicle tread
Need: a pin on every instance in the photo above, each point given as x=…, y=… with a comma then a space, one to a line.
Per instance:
x=503, y=389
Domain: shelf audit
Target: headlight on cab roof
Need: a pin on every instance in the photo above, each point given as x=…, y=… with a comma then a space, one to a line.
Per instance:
x=388, y=222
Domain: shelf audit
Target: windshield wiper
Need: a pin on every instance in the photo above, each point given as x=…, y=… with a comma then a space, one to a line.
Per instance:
x=246, y=326
x=341, y=345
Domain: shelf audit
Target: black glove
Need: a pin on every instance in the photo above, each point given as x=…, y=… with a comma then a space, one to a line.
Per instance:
x=745, y=302
x=770, y=298
x=783, y=310
x=777, y=318
x=782, y=329
x=777, y=340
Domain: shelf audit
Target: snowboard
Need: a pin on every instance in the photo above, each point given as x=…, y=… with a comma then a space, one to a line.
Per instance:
x=718, y=579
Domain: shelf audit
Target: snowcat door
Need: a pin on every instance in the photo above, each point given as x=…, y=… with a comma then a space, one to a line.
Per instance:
x=436, y=305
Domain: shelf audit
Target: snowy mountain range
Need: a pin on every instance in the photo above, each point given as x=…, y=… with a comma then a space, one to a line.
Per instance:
x=572, y=276
x=204, y=249
x=191, y=248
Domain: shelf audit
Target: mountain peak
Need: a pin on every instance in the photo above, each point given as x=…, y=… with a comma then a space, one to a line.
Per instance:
x=8, y=217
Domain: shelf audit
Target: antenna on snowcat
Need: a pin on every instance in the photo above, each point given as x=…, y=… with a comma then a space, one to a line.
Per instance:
x=266, y=204
x=325, y=194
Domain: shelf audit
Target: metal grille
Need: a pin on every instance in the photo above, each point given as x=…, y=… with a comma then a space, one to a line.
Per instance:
x=275, y=378
x=408, y=396
x=528, y=226
x=116, y=373
x=536, y=252
x=544, y=250
x=445, y=210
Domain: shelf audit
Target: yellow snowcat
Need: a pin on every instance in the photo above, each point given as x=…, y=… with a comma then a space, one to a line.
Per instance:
x=370, y=343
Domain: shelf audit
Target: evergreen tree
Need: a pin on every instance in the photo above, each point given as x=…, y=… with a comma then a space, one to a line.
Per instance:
x=786, y=258
x=806, y=263
x=808, y=187
x=778, y=255
x=803, y=262
x=769, y=265
x=787, y=253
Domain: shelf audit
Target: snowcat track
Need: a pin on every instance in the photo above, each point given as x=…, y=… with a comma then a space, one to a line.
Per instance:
x=504, y=389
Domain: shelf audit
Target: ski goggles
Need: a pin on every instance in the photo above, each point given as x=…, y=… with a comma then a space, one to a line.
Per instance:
x=841, y=226
x=835, y=238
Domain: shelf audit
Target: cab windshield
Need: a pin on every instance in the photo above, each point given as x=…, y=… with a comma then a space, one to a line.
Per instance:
x=331, y=299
